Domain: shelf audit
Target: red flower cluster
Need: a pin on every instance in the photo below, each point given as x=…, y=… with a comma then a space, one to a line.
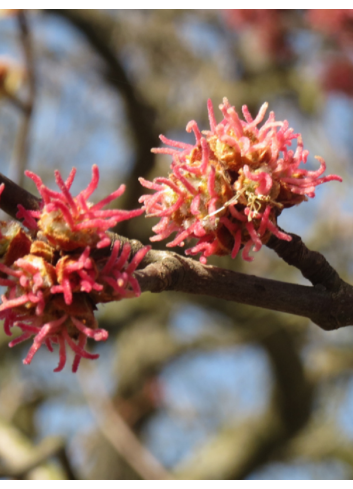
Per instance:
x=267, y=29
x=228, y=189
x=335, y=22
x=55, y=280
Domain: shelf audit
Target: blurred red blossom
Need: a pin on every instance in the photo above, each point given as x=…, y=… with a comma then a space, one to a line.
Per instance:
x=268, y=30
x=337, y=23
x=337, y=75
x=331, y=21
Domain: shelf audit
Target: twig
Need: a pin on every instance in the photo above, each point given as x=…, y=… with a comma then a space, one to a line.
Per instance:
x=22, y=145
x=17, y=102
x=312, y=264
x=22, y=456
x=117, y=432
x=66, y=464
x=169, y=271
x=13, y=195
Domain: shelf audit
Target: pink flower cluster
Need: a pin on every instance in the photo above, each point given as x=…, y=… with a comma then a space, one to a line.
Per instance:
x=55, y=280
x=227, y=190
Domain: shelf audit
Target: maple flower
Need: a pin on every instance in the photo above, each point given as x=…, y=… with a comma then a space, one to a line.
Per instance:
x=116, y=274
x=75, y=273
x=60, y=324
x=53, y=275
x=227, y=190
x=72, y=222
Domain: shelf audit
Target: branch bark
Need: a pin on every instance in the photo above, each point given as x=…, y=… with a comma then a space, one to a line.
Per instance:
x=13, y=195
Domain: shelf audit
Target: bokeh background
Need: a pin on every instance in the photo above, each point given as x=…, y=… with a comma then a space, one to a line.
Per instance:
x=212, y=389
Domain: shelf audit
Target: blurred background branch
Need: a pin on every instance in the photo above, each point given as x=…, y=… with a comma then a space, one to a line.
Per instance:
x=22, y=147
x=116, y=430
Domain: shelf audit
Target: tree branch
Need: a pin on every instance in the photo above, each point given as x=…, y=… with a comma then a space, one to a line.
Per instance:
x=13, y=195
x=312, y=264
x=18, y=455
x=117, y=432
x=329, y=304
x=22, y=145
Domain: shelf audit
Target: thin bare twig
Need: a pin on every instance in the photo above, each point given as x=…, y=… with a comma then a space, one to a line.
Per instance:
x=19, y=455
x=22, y=145
x=16, y=102
x=13, y=195
x=116, y=431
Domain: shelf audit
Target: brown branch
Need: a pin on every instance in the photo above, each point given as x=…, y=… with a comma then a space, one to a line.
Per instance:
x=13, y=195
x=66, y=464
x=312, y=264
x=169, y=271
x=329, y=309
x=329, y=304
x=16, y=102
